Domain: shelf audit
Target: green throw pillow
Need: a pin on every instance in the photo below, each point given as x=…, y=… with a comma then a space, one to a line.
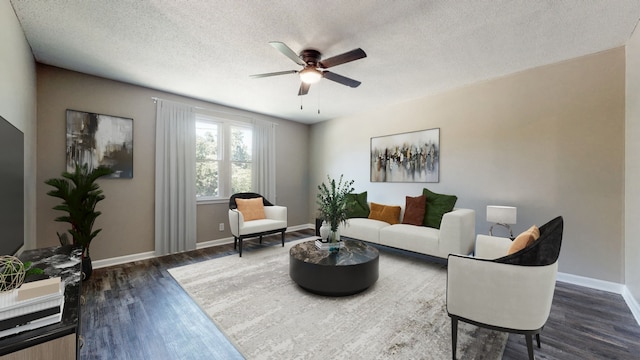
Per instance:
x=357, y=206
x=437, y=206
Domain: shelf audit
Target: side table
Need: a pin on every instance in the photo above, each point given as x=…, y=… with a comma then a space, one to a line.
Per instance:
x=60, y=340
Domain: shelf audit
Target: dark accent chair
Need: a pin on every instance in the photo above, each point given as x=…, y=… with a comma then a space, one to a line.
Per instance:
x=275, y=222
x=511, y=293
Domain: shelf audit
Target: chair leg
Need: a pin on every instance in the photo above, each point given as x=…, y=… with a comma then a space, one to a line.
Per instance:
x=260, y=239
x=235, y=242
x=283, y=238
x=454, y=337
x=530, y=346
x=538, y=339
x=240, y=249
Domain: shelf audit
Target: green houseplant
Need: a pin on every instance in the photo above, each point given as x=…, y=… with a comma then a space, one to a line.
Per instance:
x=332, y=201
x=80, y=194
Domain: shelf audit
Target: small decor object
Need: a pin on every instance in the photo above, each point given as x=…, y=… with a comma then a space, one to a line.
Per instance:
x=325, y=229
x=100, y=140
x=332, y=201
x=80, y=194
x=39, y=288
x=12, y=273
x=407, y=157
x=502, y=216
x=332, y=247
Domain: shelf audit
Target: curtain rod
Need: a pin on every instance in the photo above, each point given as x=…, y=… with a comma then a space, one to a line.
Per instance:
x=155, y=100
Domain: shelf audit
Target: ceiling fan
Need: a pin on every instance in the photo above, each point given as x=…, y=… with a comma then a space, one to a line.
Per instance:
x=313, y=68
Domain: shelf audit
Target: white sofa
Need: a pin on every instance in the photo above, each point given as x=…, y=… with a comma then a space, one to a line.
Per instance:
x=455, y=236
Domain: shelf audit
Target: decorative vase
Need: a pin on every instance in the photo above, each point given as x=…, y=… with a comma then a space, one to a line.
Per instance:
x=334, y=239
x=325, y=229
x=334, y=236
x=87, y=267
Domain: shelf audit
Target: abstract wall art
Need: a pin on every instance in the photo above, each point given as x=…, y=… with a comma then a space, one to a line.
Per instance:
x=97, y=139
x=407, y=157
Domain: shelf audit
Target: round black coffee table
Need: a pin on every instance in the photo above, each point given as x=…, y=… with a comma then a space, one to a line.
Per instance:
x=353, y=269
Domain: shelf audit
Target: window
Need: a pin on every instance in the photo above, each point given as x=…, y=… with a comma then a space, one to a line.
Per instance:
x=223, y=157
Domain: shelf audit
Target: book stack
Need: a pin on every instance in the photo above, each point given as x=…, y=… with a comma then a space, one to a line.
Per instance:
x=328, y=245
x=32, y=305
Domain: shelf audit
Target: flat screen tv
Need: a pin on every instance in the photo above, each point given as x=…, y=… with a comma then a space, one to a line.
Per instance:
x=11, y=188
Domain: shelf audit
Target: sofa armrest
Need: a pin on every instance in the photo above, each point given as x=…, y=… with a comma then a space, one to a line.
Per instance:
x=236, y=221
x=491, y=247
x=457, y=232
x=276, y=212
x=504, y=295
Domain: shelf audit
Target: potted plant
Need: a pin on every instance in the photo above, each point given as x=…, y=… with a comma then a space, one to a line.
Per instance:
x=80, y=194
x=332, y=201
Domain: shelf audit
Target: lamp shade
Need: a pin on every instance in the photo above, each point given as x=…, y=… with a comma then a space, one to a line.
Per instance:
x=502, y=214
x=310, y=75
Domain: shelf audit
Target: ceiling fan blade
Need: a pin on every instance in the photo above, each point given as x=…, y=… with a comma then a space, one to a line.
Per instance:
x=352, y=55
x=341, y=79
x=286, y=51
x=304, y=88
x=274, y=73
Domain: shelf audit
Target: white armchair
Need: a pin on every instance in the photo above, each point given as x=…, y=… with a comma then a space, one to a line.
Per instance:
x=511, y=293
x=275, y=221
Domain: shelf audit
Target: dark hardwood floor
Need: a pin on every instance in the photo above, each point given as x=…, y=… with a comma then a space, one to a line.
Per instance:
x=137, y=311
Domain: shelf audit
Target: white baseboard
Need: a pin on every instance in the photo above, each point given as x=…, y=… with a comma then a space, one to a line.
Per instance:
x=123, y=259
x=608, y=286
x=201, y=245
x=632, y=304
x=591, y=283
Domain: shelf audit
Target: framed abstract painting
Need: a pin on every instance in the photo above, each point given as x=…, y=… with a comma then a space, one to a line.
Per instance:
x=97, y=139
x=407, y=157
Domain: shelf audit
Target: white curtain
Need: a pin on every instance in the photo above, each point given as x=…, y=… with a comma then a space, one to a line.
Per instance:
x=175, y=213
x=264, y=159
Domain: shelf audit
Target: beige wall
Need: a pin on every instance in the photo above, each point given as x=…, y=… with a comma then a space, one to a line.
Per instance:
x=549, y=140
x=18, y=104
x=632, y=167
x=128, y=210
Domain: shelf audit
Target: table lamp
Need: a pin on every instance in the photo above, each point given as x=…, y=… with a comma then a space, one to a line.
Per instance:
x=503, y=216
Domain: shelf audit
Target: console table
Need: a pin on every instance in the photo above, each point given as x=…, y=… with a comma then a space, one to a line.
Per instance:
x=351, y=270
x=59, y=340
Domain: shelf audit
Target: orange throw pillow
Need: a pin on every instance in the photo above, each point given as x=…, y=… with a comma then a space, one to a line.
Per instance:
x=525, y=239
x=388, y=214
x=251, y=209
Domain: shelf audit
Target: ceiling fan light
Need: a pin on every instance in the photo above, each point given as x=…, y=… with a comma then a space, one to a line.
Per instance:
x=310, y=76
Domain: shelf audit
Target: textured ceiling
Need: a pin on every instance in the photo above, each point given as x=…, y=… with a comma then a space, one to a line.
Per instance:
x=207, y=49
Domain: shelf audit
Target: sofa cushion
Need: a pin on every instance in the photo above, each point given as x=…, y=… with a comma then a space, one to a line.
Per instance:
x=362, y=229
x=437, y=206
x=420, y=239
x=414, y=210
x=251, y=209
x=357, y=206
x=386, y=213
x=262, y=225
x=525, y=239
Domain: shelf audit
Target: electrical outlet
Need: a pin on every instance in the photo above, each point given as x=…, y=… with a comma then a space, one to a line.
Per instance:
x=221, y=227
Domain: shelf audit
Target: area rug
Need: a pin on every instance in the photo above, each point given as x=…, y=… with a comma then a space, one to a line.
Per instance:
x=266, y=315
